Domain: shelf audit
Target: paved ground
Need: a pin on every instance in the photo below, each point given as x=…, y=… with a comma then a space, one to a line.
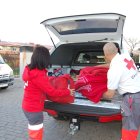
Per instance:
x=13, y=124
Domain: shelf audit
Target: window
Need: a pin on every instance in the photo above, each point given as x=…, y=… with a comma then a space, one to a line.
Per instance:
x=87, y=26
x=1, y=60
x=90, y=58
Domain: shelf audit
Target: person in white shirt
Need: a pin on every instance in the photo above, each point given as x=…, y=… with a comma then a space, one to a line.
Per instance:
x=123, y=78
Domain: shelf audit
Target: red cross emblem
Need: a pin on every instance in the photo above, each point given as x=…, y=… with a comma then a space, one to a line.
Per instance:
x=130, y=64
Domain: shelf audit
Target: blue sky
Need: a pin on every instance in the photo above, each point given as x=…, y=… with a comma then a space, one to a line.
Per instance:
x=20, y=19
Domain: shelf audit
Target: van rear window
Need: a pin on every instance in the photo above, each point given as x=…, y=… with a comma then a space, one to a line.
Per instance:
x=90, y=58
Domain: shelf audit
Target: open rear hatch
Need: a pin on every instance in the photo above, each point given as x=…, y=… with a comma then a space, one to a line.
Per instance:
x=85, y=28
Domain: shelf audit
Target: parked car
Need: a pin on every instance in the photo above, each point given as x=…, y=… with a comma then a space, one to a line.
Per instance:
x=74, y=37
x=6, y=74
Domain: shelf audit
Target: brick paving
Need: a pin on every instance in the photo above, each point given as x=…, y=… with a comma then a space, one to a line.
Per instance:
x=13, y=124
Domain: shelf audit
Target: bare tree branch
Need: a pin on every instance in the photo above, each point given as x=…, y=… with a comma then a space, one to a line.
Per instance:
x=132, y=43
x=127, y=42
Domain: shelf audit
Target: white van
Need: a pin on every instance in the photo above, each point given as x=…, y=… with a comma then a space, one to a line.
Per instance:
x=73, y=37
x=6, y=74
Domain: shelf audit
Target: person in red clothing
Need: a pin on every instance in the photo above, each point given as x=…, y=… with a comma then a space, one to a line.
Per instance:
x=36, y=89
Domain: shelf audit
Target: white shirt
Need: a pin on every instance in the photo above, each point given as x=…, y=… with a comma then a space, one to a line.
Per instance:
x=123, y=75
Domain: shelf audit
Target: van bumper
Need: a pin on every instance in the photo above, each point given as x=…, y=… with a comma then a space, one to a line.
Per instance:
x=6, y=82
x=80, y=109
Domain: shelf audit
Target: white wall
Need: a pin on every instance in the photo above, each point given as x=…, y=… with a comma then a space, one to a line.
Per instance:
x=25, y=57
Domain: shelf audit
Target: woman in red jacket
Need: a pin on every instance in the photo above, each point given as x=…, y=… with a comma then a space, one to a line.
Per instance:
x=36, y=88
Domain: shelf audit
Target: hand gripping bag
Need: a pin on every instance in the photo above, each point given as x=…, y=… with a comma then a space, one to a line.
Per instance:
x=62, y=82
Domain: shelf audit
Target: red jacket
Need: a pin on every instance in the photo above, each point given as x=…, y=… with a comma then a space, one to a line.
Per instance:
x=36, y=88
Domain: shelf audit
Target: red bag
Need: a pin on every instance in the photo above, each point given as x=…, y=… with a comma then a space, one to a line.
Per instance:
x=62, y=82
x=92, y=82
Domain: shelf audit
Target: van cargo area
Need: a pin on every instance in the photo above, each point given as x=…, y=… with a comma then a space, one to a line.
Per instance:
x=63, y=63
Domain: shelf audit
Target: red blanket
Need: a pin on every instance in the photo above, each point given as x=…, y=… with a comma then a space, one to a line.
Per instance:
x=92, y=82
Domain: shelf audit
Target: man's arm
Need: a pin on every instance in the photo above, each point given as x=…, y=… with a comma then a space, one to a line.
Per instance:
x=109, y=94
